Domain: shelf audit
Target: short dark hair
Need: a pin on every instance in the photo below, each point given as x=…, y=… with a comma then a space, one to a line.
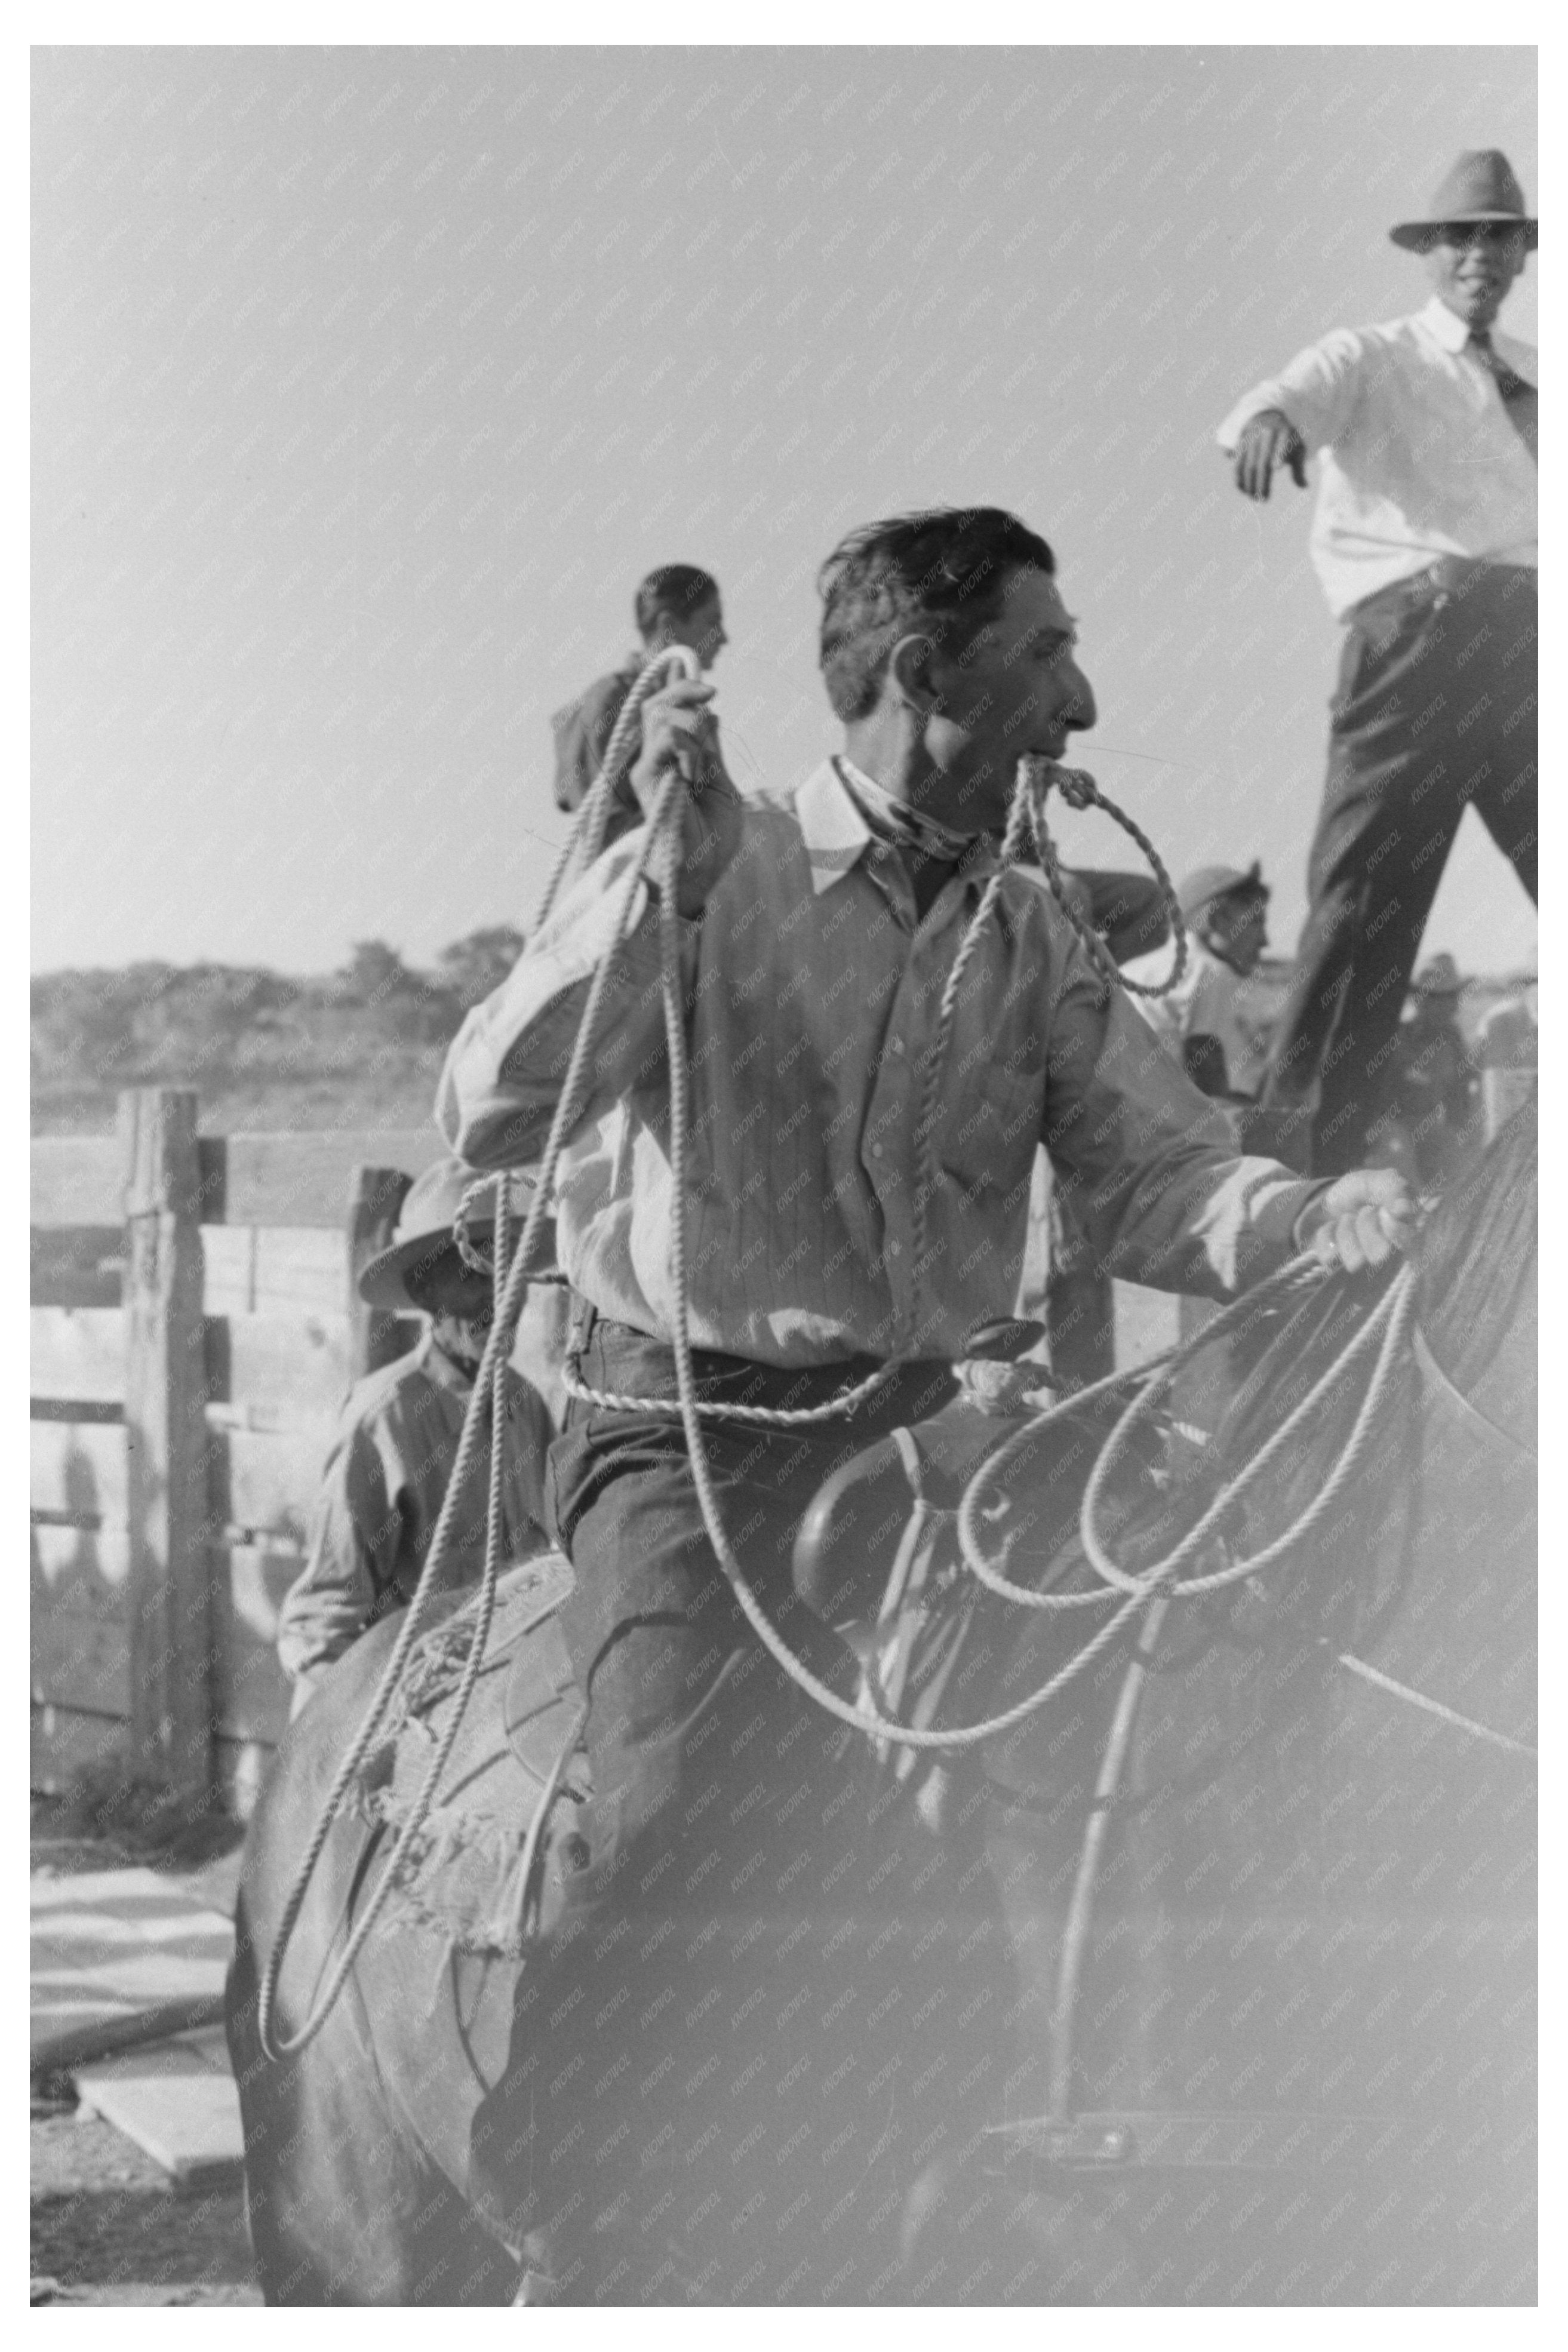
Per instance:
x=675, y=588
x=944, y=570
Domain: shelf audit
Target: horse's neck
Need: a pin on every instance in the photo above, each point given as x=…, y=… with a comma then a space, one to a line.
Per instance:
x=1504, y=1391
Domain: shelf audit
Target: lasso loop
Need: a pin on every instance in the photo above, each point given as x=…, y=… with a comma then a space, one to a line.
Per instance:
x=658, y=859
x=1080, y=792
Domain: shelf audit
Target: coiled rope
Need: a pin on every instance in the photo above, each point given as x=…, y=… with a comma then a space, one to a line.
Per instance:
x=660, y=859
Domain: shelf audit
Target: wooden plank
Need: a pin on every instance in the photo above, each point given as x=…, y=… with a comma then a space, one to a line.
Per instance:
x=106, y=1946
x=375, y=1198
x=179, y=2104
x=82, y=1569
x=295, y=1368
x=76, y=1265
x=228, y=1272
x=80, y=1662
x=77, y=1180
x=166, y=1440
x=76, y=1353
x=273, y=1478
x=302, y=1178
x=274, y=1270
x=64, y=2047
x=250, y=1690
x=298, y=1178
x=77, y=1466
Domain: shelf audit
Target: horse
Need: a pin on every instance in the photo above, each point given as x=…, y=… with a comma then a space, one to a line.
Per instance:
x=1293, y=2052
x=1272, y=2039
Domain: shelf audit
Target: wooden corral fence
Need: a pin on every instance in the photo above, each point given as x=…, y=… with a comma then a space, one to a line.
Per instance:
x=195, y=1331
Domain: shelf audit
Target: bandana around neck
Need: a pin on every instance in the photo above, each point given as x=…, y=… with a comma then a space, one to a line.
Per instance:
x=896, y=821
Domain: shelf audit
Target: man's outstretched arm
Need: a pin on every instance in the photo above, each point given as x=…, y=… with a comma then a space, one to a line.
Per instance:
x=1150, y=1170
x=1308, y=406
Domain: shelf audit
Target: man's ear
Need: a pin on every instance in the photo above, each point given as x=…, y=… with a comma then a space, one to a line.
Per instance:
x=911, y=666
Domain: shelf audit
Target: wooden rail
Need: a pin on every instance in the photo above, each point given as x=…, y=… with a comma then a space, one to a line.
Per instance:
x=194, y=1332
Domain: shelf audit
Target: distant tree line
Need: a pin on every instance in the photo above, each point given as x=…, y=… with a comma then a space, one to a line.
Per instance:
x=162, y=1023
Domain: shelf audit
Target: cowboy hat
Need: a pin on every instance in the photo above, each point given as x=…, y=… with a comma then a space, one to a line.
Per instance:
x=1480, y=186
x=424, y=1235
x=1439, y=978
x=1211, y=882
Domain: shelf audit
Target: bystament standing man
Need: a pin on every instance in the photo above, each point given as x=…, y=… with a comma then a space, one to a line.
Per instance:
x=1207, y=1019
x=677, y=606
x=1424, y=542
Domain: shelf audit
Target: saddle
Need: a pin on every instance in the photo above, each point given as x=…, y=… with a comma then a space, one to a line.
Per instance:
x=876, y=1558
x=517, y=1784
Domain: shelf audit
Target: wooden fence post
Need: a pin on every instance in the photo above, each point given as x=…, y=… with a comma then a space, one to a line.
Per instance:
x=376, y=1197
x=166, y=1441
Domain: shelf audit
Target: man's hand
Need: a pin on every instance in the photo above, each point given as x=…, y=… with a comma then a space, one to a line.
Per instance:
x=1360, y=1221
x=1268, y=439
x=680, y=733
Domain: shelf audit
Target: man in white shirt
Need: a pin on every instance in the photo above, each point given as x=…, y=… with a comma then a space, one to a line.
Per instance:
x=1212, y=1022
x=1425, y=544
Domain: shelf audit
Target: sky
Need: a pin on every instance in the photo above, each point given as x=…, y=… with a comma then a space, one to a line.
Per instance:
x=367, y=383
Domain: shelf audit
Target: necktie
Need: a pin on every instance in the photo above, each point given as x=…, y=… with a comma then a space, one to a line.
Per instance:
x=1519, y=398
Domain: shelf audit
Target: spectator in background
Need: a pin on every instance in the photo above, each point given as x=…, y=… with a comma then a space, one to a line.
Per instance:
x=1424, y=542
x=387, y=1471
x=1212, y=1021
x=1507, y=1037
x=677, y=606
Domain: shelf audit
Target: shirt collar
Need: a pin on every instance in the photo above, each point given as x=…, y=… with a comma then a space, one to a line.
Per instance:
x=1447, y=329
x=836, y=834
x=438, y=1368
x=1444, y=326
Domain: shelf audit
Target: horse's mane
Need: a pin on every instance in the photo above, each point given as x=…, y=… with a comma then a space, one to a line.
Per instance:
x=1476, y=1254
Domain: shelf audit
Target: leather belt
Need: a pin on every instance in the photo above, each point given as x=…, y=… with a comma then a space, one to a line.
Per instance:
x=1446, y=575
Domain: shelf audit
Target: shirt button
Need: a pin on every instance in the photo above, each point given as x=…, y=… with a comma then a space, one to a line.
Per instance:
x=876, y=1151
x=895, y=1249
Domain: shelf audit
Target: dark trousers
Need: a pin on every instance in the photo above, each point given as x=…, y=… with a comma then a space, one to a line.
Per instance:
x=1435, y=711
x=777, y=1994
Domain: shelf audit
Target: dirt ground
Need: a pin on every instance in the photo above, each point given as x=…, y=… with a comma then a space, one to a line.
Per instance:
x=108, y=2227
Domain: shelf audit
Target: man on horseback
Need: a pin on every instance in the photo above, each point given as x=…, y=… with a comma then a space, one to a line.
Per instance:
x=861, y=1141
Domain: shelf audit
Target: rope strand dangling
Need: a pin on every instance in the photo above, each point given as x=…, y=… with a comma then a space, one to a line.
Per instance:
x=1078, y=789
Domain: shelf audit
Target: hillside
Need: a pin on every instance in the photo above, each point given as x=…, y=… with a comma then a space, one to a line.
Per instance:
x=363, y=1046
